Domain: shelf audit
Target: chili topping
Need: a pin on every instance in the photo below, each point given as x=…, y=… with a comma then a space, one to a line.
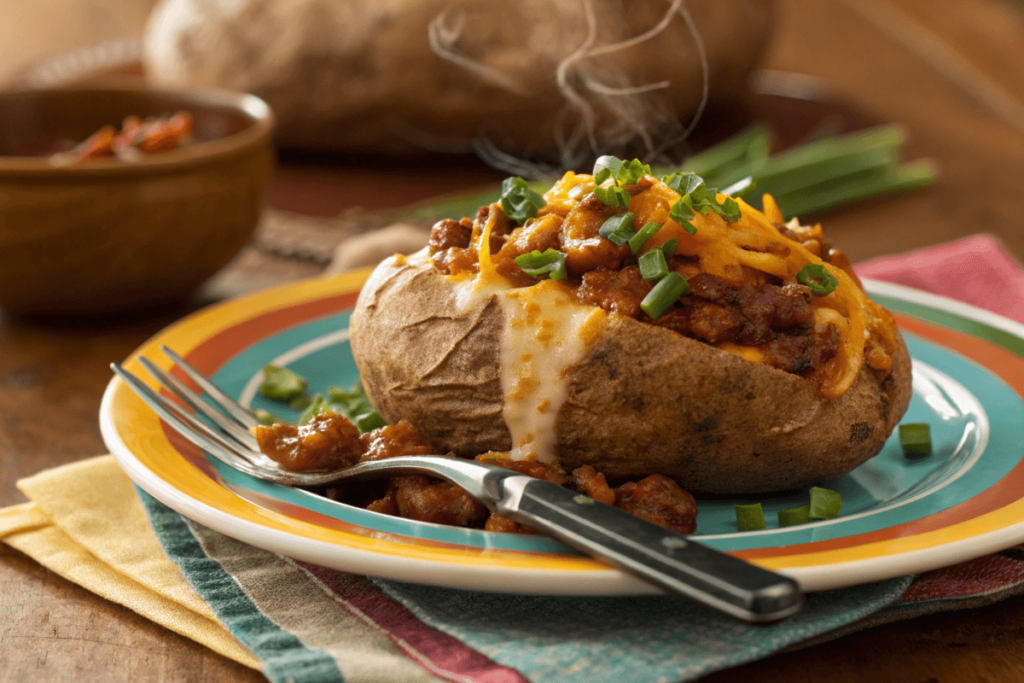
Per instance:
x=671, y=253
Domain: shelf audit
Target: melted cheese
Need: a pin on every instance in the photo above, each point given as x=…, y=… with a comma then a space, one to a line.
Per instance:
x=751, y=353
x=545, y=334
x=546, y=331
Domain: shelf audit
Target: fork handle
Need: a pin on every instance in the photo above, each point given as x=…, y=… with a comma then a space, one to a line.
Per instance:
x=662, y=557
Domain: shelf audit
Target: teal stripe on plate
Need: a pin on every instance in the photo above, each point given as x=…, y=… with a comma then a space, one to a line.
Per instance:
x=974, y=328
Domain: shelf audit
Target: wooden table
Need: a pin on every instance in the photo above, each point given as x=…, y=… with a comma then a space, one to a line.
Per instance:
x=953, y=73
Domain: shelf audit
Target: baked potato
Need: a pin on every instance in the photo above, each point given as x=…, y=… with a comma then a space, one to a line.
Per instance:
x=772, y=372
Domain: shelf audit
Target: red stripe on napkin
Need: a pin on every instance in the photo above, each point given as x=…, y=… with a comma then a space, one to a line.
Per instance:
x=439, y=653
x=976, y=270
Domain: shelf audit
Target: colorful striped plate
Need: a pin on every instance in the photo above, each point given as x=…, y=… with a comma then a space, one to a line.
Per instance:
x=900, y=515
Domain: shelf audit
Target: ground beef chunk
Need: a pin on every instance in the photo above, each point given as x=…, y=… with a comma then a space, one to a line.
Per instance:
x=456, y=260
x=498, y=523
x=709, y=287
x=537, y=235
x=656, y=498
x=450, y=246
x=386, y=505
x=501, y=229
x=703, y=320
x=537, y=470
x=660, y=501
x=789, y=353
x=712, y=322
x=450, y=233
x=439, y=502
x=328, y=442
x=792, y=306
x=777, y=319
x=585, y=249
x=394, y=440
x=754, y=314
x=616, y=291
x=530, y=468
x=590, y=482
x=825, y=346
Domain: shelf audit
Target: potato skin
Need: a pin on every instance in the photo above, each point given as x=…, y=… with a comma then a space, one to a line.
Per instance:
x=642, y=400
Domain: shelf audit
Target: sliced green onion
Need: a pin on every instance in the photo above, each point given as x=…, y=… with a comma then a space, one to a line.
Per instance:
x=682, y=213
x=282, y=384
x=916, y=439
x=606, y=167
x=825, y=504
x=355, y=405
x=653, y=266
x=684, y=183
x=299, y=403
x=316, y=406
x=749, y=517
x=268, y=418
x=613, y=196
x=365, y=422
x=370, y=421
x=618, y=229
x=817, y=277
x=729, y=210
x=642, y=235
x=665, y=293
x=624, y=172
x=697, y=196
x=518, y=201
x=669, y=248
x=351, y=402
x=632, y=172
x=800, y=515
x=550, y=262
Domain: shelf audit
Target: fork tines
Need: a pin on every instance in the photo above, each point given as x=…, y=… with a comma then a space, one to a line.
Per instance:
x=228, y=437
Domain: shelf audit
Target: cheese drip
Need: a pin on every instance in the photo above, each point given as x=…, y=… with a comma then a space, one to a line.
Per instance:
x=546, y=332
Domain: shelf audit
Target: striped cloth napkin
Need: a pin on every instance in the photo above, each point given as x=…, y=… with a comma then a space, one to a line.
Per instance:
x=298, y=622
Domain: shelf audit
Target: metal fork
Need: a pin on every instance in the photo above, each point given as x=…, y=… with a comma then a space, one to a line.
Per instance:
x=671, y=561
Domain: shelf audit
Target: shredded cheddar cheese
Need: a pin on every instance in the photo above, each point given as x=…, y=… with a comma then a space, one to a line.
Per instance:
x=757, y=242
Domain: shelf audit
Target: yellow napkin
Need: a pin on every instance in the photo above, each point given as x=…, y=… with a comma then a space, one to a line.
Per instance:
x=85, y=523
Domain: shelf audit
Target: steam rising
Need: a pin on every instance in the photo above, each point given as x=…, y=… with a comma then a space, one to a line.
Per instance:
x=631, y=120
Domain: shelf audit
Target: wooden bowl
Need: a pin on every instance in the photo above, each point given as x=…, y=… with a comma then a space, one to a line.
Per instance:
x=110, y=236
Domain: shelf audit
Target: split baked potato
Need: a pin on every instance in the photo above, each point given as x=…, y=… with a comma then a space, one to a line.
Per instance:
x=772, y=371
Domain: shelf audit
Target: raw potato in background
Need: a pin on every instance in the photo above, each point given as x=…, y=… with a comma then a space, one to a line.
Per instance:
x=534, y=77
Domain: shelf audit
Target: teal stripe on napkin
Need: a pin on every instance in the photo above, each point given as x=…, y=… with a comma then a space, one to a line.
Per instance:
x=286, y=659
x=626, y=640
